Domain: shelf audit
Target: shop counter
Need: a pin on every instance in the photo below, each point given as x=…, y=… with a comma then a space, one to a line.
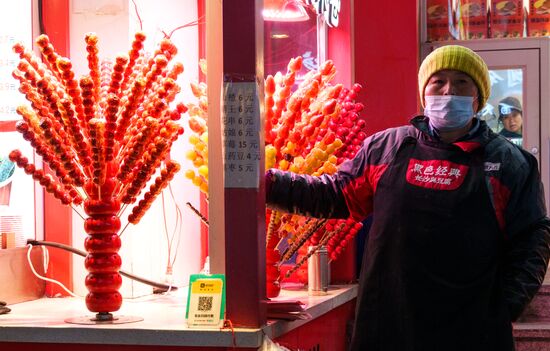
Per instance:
x=40, y=324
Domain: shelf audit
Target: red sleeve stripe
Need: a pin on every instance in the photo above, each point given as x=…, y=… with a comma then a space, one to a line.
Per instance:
x=501, y=195
x=468, y=146
x=359, y=192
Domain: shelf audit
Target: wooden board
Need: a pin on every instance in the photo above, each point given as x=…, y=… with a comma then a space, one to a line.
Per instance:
x=17, y=282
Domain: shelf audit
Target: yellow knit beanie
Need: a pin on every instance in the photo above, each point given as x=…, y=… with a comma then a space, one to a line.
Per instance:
x=457, y=58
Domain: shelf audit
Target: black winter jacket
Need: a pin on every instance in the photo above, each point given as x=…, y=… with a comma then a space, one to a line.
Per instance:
x=509, y=275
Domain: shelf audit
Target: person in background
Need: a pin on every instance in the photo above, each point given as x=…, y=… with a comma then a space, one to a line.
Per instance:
x=511, y=117
x=460, y=239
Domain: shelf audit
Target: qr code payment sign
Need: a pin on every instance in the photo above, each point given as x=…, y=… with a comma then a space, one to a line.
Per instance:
x=205, y=303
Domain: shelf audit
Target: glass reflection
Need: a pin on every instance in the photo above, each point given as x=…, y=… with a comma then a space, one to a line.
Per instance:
x=285, y=39
x=504, y=109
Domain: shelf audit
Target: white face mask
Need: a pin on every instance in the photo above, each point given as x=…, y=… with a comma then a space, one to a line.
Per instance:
x=449, y=112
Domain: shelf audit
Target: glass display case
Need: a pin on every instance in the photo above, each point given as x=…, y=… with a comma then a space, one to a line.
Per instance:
x=165, y=244
x=20, y=200
x=292, y=29
x=149, y=249
x=482, y=19
x=503, y=111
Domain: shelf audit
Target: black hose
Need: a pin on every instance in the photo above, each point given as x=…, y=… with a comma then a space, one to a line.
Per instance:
x=41, y=17
x=160, y=287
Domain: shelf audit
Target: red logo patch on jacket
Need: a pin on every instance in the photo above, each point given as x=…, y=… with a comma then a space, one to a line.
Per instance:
x=436, y=174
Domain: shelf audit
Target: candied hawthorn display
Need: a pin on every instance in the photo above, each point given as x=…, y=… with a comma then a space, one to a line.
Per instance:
x=104, y=136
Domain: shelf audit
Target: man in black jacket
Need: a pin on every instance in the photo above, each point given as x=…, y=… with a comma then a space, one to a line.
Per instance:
x=460, y=239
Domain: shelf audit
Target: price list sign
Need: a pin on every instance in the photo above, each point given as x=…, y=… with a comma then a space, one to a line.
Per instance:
x=241, y=135
x=16, y=25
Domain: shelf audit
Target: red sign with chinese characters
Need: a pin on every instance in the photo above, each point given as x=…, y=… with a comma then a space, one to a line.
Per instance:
x=329, y=9
x=436, y=174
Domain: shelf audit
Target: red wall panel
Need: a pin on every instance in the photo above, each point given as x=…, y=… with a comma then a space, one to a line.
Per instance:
x=331, y=331
x=57, y=218
x=244, y=207
x=376, y=45
x=386, y=60
x=340, y=51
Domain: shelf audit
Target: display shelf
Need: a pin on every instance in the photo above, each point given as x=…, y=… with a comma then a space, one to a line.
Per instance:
x=164, y=324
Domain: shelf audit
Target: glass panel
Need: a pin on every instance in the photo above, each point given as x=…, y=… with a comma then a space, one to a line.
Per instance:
x=285, y=39
x=440, y=20
x=444, y=20
x=16, y=192
x=473, y=19
x=504, y=109
x=16, y=25
x=507, y=19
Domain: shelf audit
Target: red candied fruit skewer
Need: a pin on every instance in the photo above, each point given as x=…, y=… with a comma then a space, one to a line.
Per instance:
x=106, y=71
x=111, y=110
x=117, y=75
x=48, y=51
x=161, y=182
x=53, y=187
x=133, y=55
x=42, y=150
x=93, y=63
x=72, y=88
x=79, y=141
x=130, y=108
x=156, y=151
x=88, y=101
x=26, y=55
x=160, y=63
x=136, y=148
x=97, y=128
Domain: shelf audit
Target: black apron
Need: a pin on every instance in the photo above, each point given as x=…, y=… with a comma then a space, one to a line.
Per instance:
x=430, y=278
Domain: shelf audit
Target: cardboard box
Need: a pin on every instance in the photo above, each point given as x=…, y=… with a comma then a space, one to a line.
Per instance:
x=507, y=19
x=538, y=20
x=439, y=20
x=473, y=15
x=17, y=282
x=7, y=240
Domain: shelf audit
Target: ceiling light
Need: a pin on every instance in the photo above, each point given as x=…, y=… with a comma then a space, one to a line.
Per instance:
x=284, y=11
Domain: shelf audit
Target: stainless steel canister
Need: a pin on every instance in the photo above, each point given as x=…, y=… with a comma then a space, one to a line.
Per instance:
x=317, y=271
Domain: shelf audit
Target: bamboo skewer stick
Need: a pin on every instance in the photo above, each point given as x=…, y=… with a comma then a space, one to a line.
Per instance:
x=198, y=213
